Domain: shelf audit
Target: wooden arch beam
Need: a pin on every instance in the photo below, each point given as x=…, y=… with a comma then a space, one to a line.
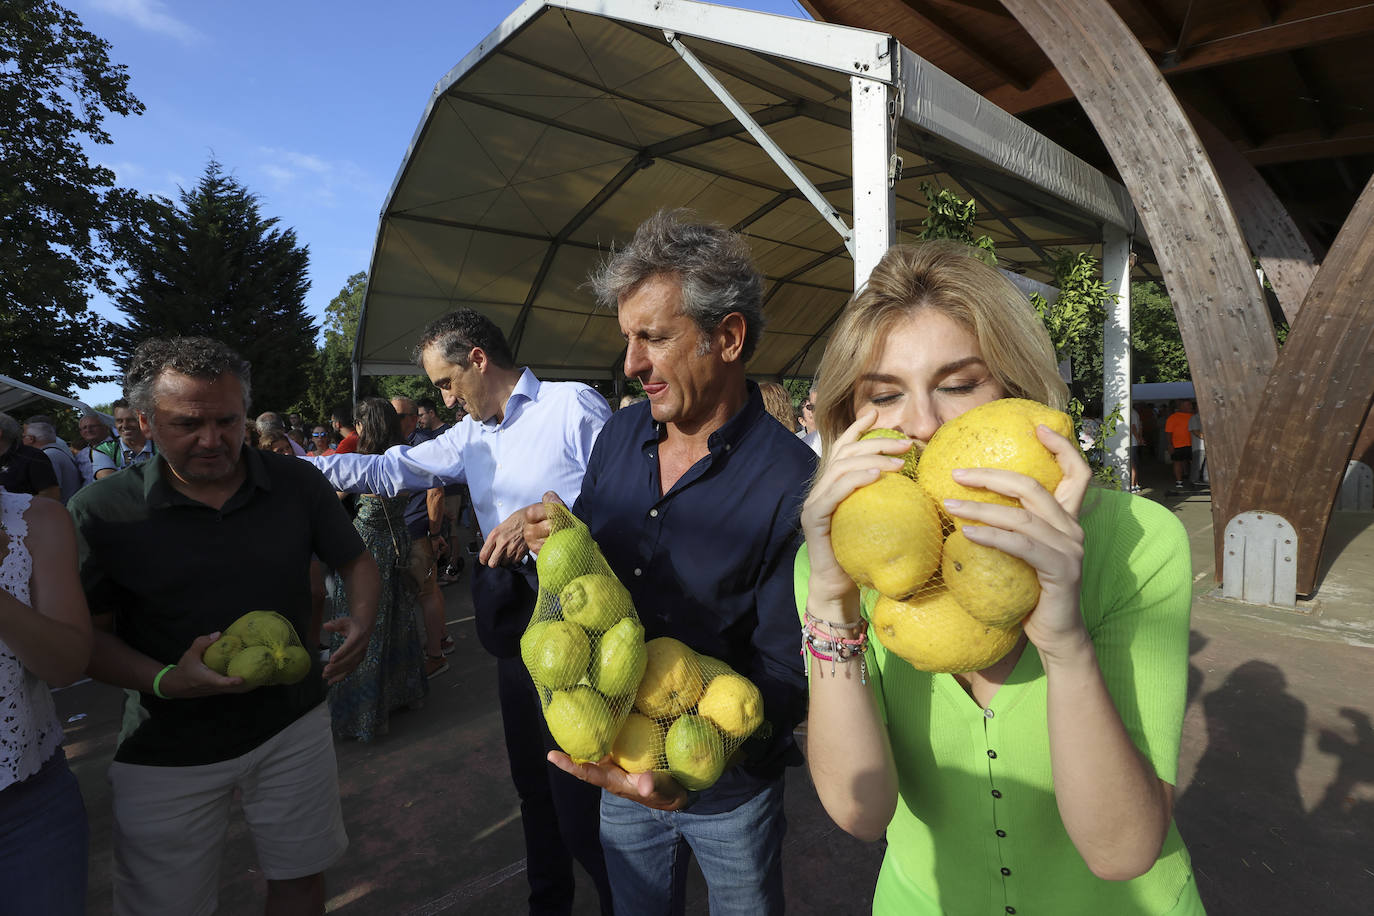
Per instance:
x=1274, y=237
x=1317, y=396
x=1198, y=245
x=1280, y=426
x=1051, y=87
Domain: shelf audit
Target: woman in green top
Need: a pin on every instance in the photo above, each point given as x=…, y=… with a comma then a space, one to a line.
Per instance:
x=1044, y=783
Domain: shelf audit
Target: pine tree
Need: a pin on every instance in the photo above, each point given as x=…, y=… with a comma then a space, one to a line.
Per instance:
x=212, y=265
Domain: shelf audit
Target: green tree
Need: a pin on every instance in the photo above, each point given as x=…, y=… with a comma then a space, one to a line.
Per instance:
x=57, y=209
x=949, y=217
x=1156, y=345
x=212, y=265
x=1075, y=321
x=331, y=376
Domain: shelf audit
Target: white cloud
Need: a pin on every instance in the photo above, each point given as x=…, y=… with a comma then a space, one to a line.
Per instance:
x=151, y=15
x=323, y=181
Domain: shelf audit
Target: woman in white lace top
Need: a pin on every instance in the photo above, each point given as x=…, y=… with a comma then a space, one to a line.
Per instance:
x=45, y=639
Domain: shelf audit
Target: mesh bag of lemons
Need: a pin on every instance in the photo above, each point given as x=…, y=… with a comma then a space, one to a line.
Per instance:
x=262, y=648
x=655, y=705
x=946, y=604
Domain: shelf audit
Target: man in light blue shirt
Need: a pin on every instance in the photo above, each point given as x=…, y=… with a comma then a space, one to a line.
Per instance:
x=521, y=437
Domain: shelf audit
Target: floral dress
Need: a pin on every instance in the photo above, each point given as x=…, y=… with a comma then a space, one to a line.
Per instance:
x=392, y=673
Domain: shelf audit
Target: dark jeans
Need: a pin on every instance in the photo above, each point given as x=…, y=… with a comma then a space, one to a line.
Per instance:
x=560, y=814
x=44, y=839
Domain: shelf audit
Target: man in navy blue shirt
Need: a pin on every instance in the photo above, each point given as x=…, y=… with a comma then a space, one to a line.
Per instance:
x=694, y=497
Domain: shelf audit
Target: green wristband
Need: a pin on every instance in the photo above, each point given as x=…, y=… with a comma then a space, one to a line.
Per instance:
x=157, y=683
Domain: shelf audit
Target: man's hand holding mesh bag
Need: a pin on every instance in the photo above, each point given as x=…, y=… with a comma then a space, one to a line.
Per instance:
x=649, y=721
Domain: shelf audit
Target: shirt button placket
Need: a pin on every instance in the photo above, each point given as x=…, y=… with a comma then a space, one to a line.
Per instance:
x=990, y=733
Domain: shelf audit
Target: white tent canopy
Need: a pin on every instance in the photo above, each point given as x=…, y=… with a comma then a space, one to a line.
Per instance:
x=15, y=394
x=551, y=141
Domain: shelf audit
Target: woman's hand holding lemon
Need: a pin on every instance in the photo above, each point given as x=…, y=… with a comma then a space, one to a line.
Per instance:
x=851, y=463
x=1044, y=532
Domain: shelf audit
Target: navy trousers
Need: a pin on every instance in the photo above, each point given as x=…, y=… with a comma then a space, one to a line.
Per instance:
x=560, y=814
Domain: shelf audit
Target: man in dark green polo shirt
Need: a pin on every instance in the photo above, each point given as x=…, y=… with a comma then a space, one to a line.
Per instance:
x=172, y=551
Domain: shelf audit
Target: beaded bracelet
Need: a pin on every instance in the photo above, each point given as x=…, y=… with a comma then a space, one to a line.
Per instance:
x=157, y=683
x=820, y=639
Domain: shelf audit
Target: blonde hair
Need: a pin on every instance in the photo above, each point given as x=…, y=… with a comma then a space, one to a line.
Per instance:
x=778, y=402
x=947, y=277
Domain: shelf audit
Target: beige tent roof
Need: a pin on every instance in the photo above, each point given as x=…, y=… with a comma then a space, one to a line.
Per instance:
x=549, y=143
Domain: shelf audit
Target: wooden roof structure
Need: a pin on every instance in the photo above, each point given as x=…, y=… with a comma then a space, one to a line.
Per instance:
x=1289, y=82
x=1243, y=129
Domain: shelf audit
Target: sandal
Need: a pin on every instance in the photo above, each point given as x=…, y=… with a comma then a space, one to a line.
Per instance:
x=447, y=645
x=435, y=665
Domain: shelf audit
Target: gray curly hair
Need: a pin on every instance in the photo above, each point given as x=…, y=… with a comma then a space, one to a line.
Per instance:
x=198, y=357
x=714, y=264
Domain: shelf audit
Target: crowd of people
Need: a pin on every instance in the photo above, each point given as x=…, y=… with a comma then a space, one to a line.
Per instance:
x=1044, y=783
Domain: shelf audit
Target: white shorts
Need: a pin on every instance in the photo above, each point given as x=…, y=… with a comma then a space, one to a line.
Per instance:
x=170, y=822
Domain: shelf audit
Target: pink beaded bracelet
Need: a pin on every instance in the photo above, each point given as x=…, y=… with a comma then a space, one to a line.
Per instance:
x=823, y=643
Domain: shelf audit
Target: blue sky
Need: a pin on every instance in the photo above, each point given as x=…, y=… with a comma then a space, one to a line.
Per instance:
x=309, y=104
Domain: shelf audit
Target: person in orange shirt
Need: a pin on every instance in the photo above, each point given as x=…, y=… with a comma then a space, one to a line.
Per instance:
x=1181, y=441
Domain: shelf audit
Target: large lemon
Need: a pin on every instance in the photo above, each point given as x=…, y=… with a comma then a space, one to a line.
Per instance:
x=639, y=745
x=222, y=651
x=695, y=752
x=581, y=722
x=998, y=434
x=255, y=665
x=566, y=554
x=887, y=535
x=993, y=587
x=933, y=633
x=263, y=628
x=293, y=664
x=619, y=658
x=560, y=655
x=529, y=643
x=911, y=458
x=595, y=602
x=672, y=681
x=733, y=703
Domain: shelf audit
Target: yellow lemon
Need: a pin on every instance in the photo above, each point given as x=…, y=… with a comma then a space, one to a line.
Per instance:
x=993, y=587
x=293, y=664
x=672, y=681
x=263, y=628
x=560, y=655
x=887, y=535
x=639, y=745
x=581, y=722
x=221, y=652
x=255, y=665
x=619, y=658
x=911, y=458
x=933, y=633
x=566, y=554
x=695, y=752
x=733, y=703
x=998, y=434
x=595, y=602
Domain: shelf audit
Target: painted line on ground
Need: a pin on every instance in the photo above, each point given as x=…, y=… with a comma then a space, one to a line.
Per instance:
x=472, y=889
x=459, y=620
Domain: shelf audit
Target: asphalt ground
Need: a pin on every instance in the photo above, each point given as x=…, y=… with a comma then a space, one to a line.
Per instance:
x=1275, y=797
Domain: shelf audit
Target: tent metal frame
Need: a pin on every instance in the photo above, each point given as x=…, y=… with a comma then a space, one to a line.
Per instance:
x=893, y=92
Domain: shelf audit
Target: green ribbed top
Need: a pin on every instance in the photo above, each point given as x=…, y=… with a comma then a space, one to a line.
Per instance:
x=951, y=838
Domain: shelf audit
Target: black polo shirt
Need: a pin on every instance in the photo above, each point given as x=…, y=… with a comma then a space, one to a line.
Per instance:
x=25, y=469
x=171, y=569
